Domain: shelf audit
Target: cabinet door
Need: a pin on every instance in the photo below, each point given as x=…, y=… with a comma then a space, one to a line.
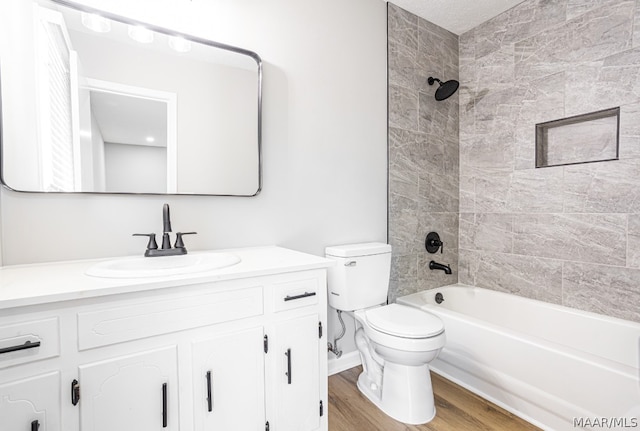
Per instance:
x=229, y=382
x=31, y=404
x=295, y=392
x=135, y=392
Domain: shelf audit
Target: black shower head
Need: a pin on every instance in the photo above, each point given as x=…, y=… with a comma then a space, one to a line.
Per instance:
x=446, y=89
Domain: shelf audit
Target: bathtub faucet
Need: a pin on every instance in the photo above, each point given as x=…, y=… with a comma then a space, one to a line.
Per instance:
x=435, y=265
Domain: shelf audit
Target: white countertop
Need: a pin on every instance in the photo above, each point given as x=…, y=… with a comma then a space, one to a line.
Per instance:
x=32, y=284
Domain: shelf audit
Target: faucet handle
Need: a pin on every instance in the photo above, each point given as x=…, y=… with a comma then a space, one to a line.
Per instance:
x=152, y=245
x=179, y=242
x=432, y=243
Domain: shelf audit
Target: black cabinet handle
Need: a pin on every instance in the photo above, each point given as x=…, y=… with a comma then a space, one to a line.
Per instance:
x=25, y=346
x=288, y=373
x=303, y=295
x=209, y=397
x=164, y=405
x=75, y=392
x=35, y=425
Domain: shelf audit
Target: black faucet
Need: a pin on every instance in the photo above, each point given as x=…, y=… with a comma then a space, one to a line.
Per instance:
x=166, y=227
x=435, y=265
x=166, y=250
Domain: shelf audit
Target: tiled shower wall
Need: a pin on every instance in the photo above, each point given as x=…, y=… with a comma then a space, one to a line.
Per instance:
x=423, y=152
x=567, y=235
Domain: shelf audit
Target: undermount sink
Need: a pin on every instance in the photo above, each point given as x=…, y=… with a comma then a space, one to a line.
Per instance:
x=138, y=267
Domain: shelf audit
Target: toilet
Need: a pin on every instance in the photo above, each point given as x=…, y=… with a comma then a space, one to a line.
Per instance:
x=396, y=342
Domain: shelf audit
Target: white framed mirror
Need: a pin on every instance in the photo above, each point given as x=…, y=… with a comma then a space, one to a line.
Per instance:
x=97, y=103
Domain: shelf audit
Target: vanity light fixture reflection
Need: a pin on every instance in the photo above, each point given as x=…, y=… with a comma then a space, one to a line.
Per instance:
x=140, y=34
x=179, y=44
x=95, y=22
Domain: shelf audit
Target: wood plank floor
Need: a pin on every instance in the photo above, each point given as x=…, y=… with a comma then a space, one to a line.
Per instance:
x=457, y=409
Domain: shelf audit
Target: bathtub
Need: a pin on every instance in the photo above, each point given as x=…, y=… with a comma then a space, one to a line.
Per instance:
x=556, y=367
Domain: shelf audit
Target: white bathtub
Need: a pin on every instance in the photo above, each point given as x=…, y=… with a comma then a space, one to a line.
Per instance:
x=543, y=362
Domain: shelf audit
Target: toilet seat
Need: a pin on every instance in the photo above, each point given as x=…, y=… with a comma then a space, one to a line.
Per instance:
x=381, y=318
x=404, y=321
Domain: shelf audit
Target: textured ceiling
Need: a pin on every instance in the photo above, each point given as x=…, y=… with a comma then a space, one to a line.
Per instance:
x=457, y=16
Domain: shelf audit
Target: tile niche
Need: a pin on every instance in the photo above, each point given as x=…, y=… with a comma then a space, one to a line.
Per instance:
x=591, y=137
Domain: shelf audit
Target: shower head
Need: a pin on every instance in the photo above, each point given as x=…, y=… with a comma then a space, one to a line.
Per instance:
x=446, y=89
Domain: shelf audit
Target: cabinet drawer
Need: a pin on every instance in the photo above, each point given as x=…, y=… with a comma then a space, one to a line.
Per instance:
x=150, y=318
x=295, y=294
x=29, y=341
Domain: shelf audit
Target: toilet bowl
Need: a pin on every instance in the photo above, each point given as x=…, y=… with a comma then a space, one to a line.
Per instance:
x=396, y=346
x=395, y=342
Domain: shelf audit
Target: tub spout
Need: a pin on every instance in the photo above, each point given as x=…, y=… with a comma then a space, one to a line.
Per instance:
x=435, y=265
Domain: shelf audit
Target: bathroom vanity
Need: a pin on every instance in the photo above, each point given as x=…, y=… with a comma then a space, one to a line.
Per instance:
x=236, y=348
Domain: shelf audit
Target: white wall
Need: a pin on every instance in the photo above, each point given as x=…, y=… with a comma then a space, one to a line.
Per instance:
x=135, y=168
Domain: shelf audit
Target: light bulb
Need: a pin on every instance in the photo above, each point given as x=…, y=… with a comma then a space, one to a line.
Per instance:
x=179, y=44
x=95, y=22
x=140, y=34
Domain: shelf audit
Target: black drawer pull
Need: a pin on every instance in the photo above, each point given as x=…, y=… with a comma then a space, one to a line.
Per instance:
x=164, y=405
x=303, y=295
x=25, y=346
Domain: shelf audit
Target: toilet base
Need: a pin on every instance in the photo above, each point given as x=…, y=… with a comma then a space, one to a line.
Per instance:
x=406, y=394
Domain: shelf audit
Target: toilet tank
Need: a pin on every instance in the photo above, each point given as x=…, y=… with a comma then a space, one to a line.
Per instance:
x=360, y=278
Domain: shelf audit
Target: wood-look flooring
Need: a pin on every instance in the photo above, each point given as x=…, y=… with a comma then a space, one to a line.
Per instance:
x=457, y=409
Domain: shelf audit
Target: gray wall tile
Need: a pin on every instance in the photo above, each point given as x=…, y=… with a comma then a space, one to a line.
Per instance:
x=578, y=7
x=423, y=152
x=403, y=108
x=569, y=57
x=468, y=266
x=598, y=238
x=602, y=289
x=438, y=193
x=487, y=232
x=465, y=167
x=520, y=22
x=605, y=83
x=605, y=187
x=633, y=241
x=590, y=36
x=534, y=278
x=403, y=27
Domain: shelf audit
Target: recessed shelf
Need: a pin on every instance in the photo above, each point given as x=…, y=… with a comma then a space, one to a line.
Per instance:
x=585, y=138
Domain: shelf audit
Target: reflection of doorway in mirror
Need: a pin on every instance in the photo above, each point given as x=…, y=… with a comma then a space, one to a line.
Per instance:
x=133, y=138
x=58, y=74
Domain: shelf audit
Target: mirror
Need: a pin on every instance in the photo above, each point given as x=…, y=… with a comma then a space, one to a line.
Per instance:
x=112, y=105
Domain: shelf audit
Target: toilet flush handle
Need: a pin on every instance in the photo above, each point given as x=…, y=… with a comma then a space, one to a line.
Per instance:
x=351, y=263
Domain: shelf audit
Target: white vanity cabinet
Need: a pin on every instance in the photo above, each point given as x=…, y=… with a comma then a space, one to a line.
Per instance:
x=242, y=353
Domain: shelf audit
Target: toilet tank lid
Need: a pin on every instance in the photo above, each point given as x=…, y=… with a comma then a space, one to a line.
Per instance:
x=354, y=250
